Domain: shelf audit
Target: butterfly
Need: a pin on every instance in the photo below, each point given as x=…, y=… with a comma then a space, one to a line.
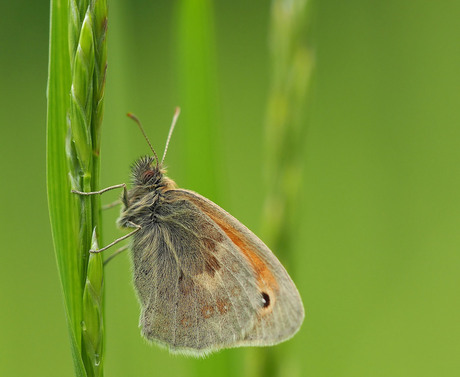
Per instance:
x=204, y=281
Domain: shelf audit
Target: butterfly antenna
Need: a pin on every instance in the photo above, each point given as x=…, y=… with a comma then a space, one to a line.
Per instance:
x=133, y=117
x=171, y=129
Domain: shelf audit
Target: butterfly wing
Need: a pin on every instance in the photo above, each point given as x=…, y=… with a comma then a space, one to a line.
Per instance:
x=280, y=312
x=206, y=282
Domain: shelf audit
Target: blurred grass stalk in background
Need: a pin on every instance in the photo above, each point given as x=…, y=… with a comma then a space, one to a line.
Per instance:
x=285, y=127
x=77, y=66
x=197, y=84
x=198, y=90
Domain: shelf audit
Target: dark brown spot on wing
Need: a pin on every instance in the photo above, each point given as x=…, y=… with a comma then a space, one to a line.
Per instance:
x=209, y=244
x=265, y=277
x=211, y=264
x=265, y=300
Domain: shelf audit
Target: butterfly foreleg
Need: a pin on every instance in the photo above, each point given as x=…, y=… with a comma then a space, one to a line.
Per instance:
x=123, y=200
x=111, y=205
x=115, y=253
x=129, y=224
x=125, y=193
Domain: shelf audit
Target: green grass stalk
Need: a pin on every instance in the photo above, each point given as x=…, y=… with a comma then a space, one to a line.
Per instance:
x=77, y=32
x=62, y=206
x=196, y=66
x=285, y=128
x=285, y=123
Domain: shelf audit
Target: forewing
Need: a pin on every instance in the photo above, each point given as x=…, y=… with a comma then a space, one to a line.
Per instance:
x=280, y=312
x=196, y=289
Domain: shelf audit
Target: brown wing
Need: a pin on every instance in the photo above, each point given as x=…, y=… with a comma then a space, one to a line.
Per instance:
x=206, y=282
x=197, y=292
x=282, y=312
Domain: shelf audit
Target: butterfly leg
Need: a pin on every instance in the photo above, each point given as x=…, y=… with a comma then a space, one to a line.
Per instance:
x=115, y=253
x=131, y=225
x=100, y=191
x=110, y=205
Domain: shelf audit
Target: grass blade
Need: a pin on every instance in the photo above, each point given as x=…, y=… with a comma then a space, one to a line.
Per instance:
x=198, y=93
x=78, y=28
x=62, y=206
x=285, y=127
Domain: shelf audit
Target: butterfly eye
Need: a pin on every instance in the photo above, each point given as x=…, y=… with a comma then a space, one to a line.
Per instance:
x=265, y=300
x=147, y=175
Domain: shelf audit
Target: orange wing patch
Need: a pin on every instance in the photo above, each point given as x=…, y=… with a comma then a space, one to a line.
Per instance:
x=265, y=278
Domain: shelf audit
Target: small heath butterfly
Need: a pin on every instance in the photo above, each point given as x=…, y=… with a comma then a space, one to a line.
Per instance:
x=204, y=281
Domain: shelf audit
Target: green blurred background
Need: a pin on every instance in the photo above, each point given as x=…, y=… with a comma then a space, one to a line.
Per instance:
x=377, y=250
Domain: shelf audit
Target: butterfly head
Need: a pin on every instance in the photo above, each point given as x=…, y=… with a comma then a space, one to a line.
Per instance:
x=148, y=174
